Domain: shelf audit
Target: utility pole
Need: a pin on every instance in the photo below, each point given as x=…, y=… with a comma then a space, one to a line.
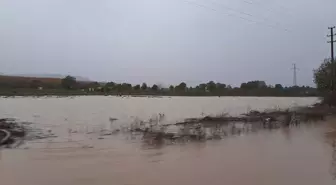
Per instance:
x=332, y=55
x=294, y=75
x=331, y=41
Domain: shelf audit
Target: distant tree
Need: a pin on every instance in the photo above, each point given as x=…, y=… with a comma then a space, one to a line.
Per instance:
x=155, y=87
x=202, y=87
x=325, y=81
x=171, y=88
x=160, y=86
x=144, y=86
x=220, y=87
x=118, y=87
x=94, y=85
x=261, y=84
x=87, y=85
x=243, y=86
x=97, y=87
x=126, y=87
x=136, y=87
x=253, y=85
x=323, y=76
x=278, y=86
x=69, y=82
x=211, y=86
x=181, y=87
x=110, y=84
x=105, y=89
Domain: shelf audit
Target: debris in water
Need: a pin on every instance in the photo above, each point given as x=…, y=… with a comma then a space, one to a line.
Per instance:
x=223, y=125
x=13, y=133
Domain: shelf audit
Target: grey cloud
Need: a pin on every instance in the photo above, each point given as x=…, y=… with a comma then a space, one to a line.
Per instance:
x=166, y=41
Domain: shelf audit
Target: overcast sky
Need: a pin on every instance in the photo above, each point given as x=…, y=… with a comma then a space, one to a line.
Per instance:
x=166, y=41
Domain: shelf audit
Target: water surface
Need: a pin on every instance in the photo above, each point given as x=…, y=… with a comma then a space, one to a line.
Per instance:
x=300, y=155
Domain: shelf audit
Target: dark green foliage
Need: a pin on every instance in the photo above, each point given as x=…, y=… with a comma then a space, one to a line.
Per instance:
x=323, y=76
x=110, y=85
x=182, y=87
x=171, y=88
x=69, y=82
x=220, y=86
x=144, y=86
x=51, y=87
x=124, y=87
x=202, y=87
x=211, y=86
x=278, y=86
x=155, y=87
x=253, y=85
x=137, y=87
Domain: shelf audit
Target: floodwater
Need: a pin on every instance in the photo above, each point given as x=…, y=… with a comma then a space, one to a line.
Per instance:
x=80, y=156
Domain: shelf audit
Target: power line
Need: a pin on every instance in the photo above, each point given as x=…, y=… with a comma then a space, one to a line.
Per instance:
x=260, y=3
x=256, y=3
x=229, y=8
x=242, y=12
x=233, y=15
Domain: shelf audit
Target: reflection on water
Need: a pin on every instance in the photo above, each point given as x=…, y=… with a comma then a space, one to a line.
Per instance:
x=333, y=162
x=331, y=139
x=286, y=156
x=246, y=154
x=297, y=155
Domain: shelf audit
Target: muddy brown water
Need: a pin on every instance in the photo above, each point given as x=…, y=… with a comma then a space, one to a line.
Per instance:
x=81, y=156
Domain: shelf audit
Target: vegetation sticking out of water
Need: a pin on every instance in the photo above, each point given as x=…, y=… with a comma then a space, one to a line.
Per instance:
x=221, y=126
x=14, y=133
x=157, y=130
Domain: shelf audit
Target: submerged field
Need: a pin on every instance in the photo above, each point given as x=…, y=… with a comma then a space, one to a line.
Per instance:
x=82, y=152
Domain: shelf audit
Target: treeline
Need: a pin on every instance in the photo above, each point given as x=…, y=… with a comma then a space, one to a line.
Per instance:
x=69, y=85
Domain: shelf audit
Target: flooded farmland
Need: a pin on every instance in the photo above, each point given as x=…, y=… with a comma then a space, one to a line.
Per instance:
x=83, y=154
